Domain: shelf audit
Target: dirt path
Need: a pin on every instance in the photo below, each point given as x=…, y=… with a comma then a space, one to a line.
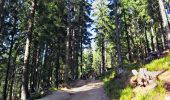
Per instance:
x=165, y=77
x=87, y=90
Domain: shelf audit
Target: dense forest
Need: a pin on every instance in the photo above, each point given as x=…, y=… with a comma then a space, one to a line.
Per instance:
x=45, y=43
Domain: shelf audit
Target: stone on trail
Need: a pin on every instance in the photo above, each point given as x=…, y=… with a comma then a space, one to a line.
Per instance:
x=143, y=77
x=144, y=90
x=134, y=72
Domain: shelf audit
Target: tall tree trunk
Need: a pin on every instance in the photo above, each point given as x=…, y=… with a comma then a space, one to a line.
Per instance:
x=67, y=66
x=76, y=64
x=33, y=68
x=152, y=39
x=13, y=76
x=36, y=79
x=44, y=73
x=72, y=52
x=157, y=39
x=10, y=56
x=127, y=39
x=118, y=45
x=8, y=68
x=15, y=57
x=76, y=52
x=163, y=37
x=57, y=66
x=57, y=70
x=2, y=2
x=81, y=51
x=25, y=74
x=146, y=39
x=165, y=23
x=103, y=55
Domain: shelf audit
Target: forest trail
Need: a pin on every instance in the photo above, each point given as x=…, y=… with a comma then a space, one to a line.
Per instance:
x=83, y=90
x=165, y=77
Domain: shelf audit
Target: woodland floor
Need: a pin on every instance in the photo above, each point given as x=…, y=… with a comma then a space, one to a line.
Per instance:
x=165, y=77
x=83, y=90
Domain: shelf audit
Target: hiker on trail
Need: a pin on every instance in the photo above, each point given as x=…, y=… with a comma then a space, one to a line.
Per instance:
x=94, y=75
x=84, y=75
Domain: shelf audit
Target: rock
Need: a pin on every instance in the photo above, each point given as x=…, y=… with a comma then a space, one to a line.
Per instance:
x=134, y=72
x=133, y=81
x=144, y=90
x=142, y=72
x=143, y=78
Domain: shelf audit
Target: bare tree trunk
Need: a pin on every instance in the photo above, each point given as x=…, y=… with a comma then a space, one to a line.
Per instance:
x=81, y=52
x=165, y=22
x=2, y=2
x=13, y=76
x=120, y=61
x=36, y=79
x=127, y=39
x=152, y=39
x=25, y=74
x=44, y=73
x=76, y=52
x=76, y=65
x=163, y=37
x=9, y=59
x=72, y=62
x=157, y=39
x=57, y=66
x=67, y=66
x=146, y=39
x=57, y=70
x=33, y=68
x=8, y=68
x=103, y=54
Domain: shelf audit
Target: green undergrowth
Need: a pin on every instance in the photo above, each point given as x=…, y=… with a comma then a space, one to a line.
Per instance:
x=155, y=94
x=113, y=87
x=159, y=64
x=36, y=96
x=54, y=89
x=118, y=88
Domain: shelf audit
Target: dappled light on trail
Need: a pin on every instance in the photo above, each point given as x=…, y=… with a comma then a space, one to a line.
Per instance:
x=92, y=90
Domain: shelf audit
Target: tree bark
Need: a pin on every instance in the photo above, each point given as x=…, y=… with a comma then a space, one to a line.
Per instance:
x=2, y=2
x=81, y=51
x=147, y=42
x=127, y=39
x=57, y=70
x=25, y=74
x=165, y=23
x=118, y=45
x=34, y=67
x=13, y=76
x=72, y=52
x=8, y=68
x=67, y=66
x=103, y=55
x=152, y=39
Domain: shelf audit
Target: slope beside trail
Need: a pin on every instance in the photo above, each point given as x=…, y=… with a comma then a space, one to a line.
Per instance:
x=83, y=90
